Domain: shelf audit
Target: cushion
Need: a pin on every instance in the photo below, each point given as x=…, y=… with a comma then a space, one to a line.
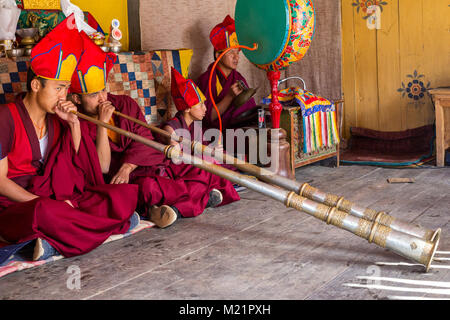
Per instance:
x=162, y=61
x=145, y=76
x=13, y=78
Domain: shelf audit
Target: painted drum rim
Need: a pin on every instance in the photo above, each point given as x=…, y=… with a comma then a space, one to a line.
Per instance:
x=287, y=56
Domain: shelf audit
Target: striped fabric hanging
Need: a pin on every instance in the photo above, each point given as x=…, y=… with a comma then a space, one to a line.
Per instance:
x=319, y=117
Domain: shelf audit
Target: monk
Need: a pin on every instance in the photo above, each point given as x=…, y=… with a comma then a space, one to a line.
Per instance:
x=51, y=186
x=191, y=111
x=226, y=82
x=190, y=103
x=165, y=189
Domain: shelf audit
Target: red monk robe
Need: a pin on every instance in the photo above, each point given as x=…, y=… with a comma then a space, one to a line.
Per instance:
x=222, y=37
x=189, y=101
x=220, y=87
x=99, y=211
x=195, y=132
x=160, y=181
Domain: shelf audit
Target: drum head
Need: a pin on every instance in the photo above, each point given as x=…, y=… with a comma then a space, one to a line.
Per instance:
x=265, y=22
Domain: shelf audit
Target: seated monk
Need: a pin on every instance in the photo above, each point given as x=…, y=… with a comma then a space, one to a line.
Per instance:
x=226, y=82
x=189, y=101
x=166, y=190
x=52, y=191
x=189, y=116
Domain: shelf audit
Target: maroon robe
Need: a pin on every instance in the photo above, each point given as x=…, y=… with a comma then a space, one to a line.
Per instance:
x=160, y=181
x=195, y=131
x=226, y=82
x=99, y=211
x=224, y=186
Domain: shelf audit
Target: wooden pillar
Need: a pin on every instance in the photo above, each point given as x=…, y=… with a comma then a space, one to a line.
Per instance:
x=134, y=25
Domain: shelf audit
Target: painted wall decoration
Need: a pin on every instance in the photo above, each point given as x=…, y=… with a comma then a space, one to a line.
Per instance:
x=105, y=13
x=387, y=71
x=415, y=89
x=366, y=6
x=372, y=10
x=41, y=4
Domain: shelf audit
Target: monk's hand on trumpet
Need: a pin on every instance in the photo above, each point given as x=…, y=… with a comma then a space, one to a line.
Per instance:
x=105, y=111
x=66, y=110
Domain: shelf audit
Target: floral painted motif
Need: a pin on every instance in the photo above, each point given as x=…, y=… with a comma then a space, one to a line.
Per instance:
x=364, y=5
x=415, y=89
x=302, y=32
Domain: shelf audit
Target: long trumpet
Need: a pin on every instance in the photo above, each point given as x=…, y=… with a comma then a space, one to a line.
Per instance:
x=417, y=249
x=302, y=189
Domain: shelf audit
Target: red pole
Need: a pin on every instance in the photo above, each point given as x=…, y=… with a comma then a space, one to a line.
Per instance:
x=275, y=105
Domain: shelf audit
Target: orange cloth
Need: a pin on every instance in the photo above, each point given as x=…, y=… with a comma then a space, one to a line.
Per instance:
x=114, y=136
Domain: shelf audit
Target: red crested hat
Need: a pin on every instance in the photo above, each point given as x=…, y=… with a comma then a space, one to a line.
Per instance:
x=93, y=68
x=55, y=57
x=185, y=92
x=223, y=35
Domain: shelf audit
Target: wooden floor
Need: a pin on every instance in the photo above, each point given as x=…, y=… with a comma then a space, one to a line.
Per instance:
x=257, y=248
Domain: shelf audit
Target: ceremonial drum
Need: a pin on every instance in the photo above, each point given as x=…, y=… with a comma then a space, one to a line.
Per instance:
x=283, y=30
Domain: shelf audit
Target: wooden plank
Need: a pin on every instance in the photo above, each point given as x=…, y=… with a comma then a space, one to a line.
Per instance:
x=440, y=134
x=436, y=48
x=413, y=37
x=134, y=25
x=390, y=116
x=366, y=74
x=309, y=161
x=400, y=180
x=412, y=57
x=436, y=26
x=286, y=122
x=349, y=65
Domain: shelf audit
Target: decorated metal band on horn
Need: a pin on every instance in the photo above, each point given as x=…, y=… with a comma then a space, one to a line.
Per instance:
x=417, y=249
x=369, y=214
x=408, y=246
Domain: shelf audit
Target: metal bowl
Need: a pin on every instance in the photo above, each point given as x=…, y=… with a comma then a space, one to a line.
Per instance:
x=115, y=49
x=15, y=52
x=27, y=51
x=27, y=32
x=105, y=48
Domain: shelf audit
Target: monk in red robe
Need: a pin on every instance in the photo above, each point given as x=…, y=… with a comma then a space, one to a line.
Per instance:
x=51, y=186
x=166, y=190
x=226, y=82
x=190, y=103
x=191, y=108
